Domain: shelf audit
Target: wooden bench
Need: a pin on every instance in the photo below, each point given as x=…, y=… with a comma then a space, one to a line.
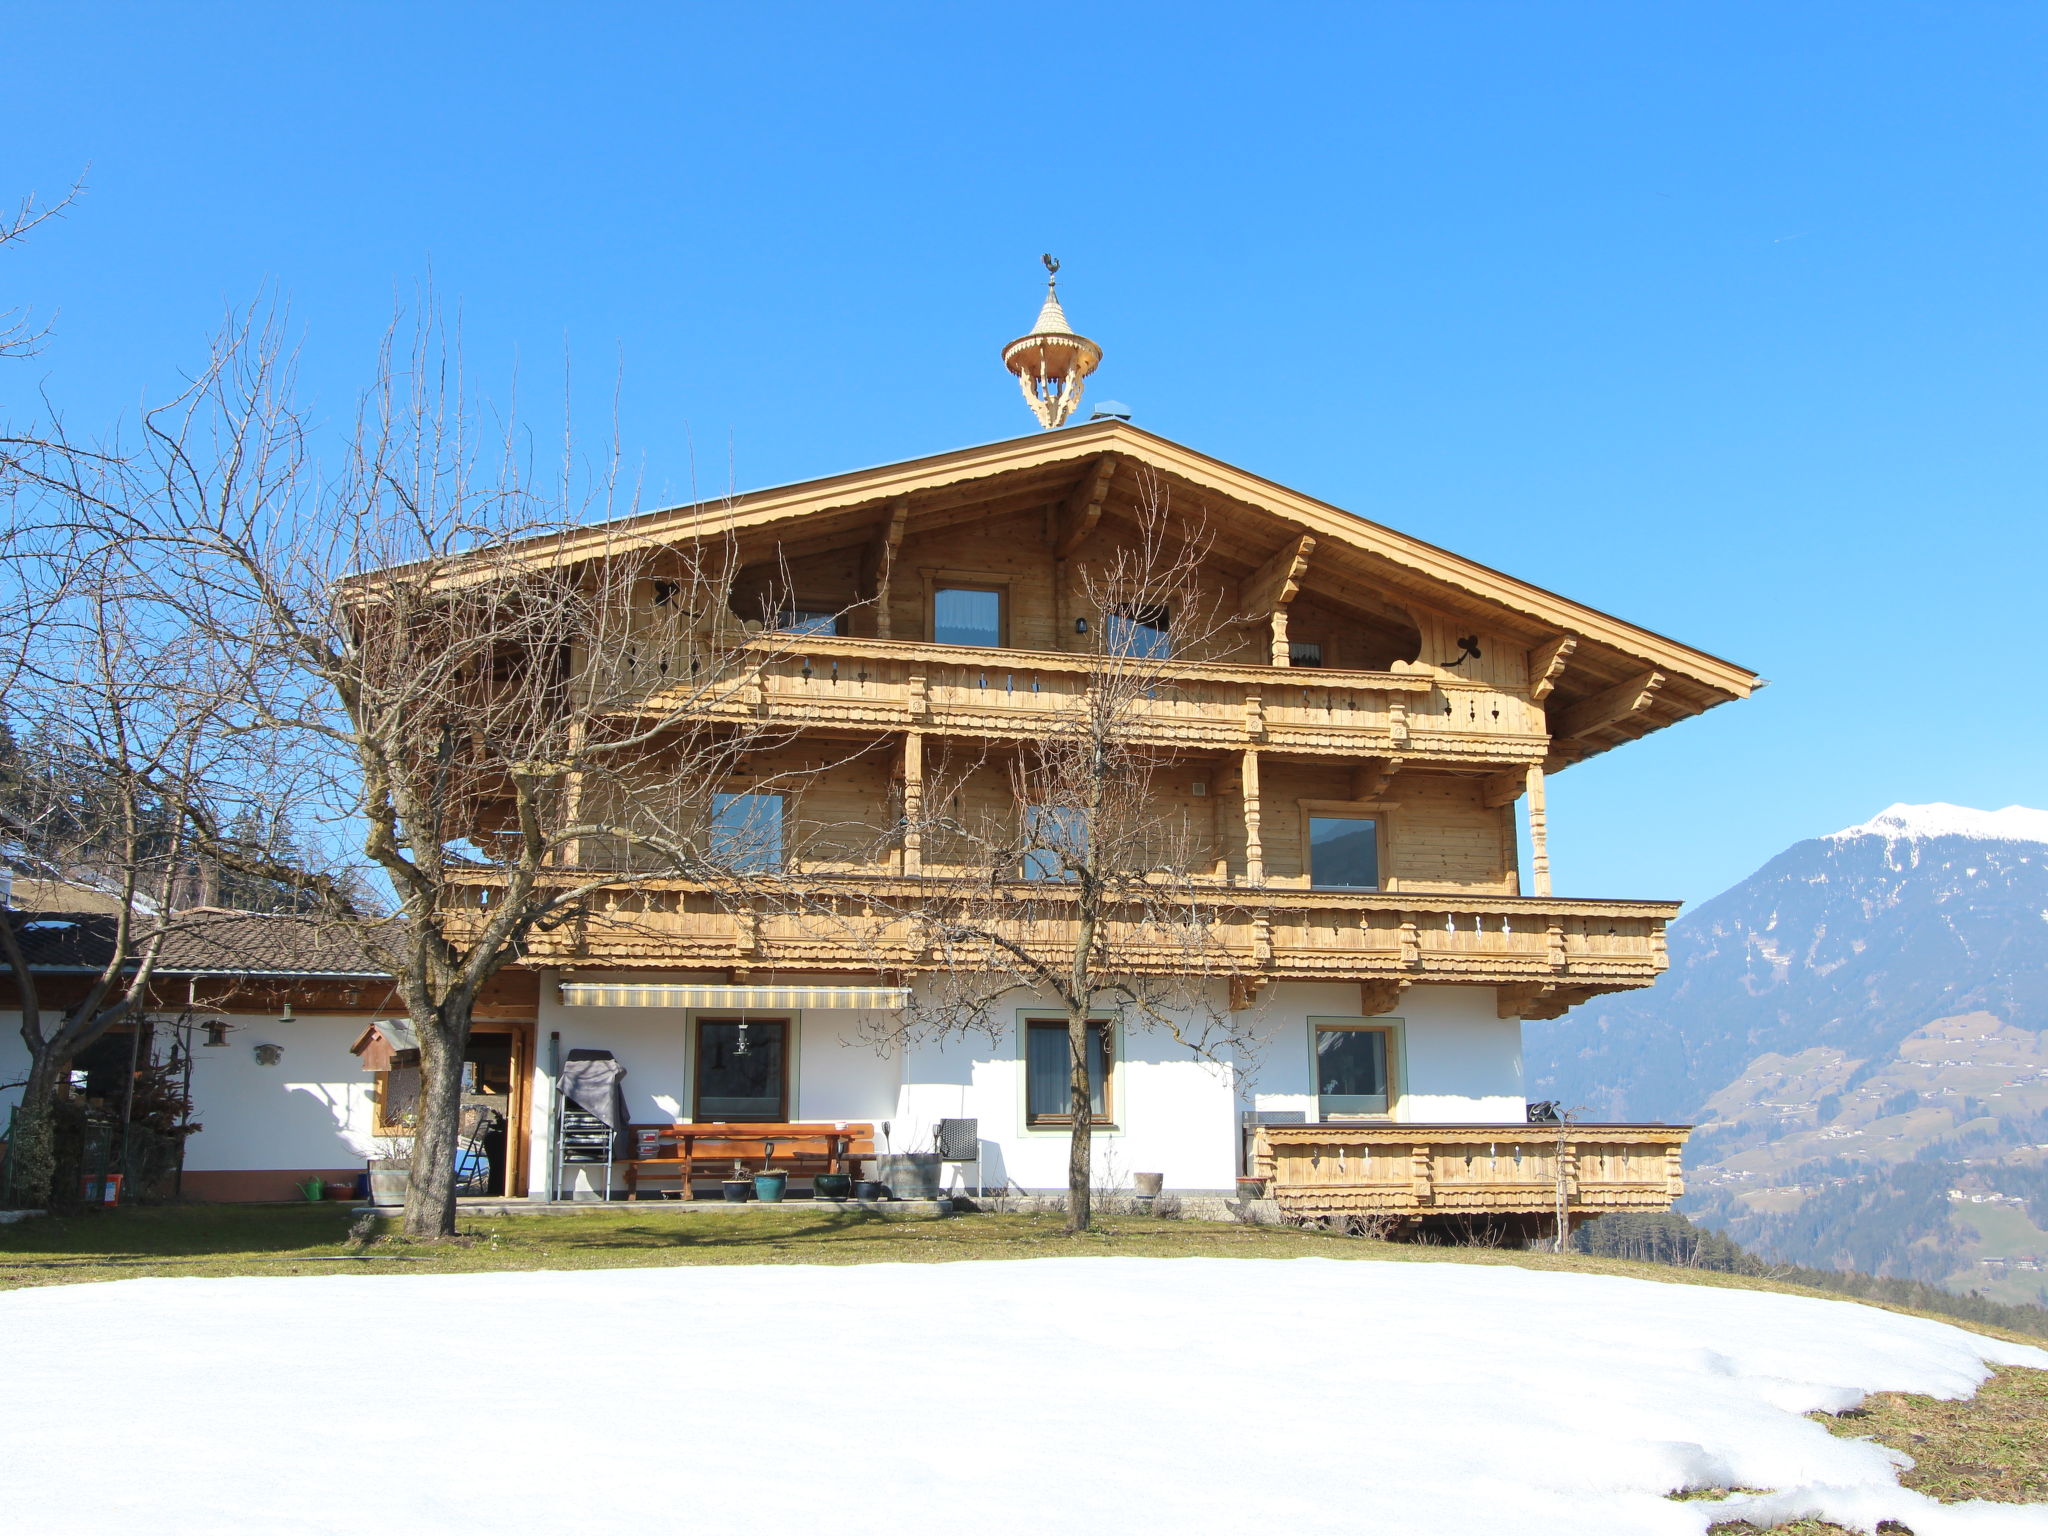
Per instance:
x=686, y=1153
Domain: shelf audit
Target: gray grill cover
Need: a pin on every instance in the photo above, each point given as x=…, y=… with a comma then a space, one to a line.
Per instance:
x=591, y=1079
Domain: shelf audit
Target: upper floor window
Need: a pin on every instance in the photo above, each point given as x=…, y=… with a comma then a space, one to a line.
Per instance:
x=967, y=616
x=809, y=621
x=1060, y=833
x=1344, y=853
x=1304, y=653
x=746, y=833
x=1138, y=630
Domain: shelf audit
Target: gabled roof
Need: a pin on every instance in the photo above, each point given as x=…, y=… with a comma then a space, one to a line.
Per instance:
x=1250, y=516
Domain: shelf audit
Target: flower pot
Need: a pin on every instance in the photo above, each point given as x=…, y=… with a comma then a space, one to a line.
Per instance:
x=736, y=1191
x=340, y=1190
x=1147, y=1185
x=1251, y=1189
x=388, y=1185
x=769, y=1188
x=870, y=1189
x=909, y=1175
x=832, y=1186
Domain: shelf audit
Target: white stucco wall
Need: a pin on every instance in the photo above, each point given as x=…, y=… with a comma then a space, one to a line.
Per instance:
x=1459, y=1064
x=311, y=1110
x=1175, y=1114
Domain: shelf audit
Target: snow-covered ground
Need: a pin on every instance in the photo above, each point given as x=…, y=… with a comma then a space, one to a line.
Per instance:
x=1128, y=1396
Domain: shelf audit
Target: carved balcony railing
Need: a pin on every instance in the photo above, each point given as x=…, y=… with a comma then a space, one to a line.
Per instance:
x=1344, y=1170
x=848, y=683
x=1546, y=953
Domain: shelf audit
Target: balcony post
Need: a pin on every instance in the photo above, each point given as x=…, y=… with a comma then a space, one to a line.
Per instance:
x=1254, y=848
x=913, y=802
x=1539, y=834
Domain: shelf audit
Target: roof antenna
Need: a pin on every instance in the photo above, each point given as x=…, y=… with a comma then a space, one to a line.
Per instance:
x=1051, y=360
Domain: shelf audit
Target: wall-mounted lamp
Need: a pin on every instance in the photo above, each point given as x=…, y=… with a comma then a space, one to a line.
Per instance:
x=269, y=1055
x=216, y=1031
x=1080, y=626
x=287, y=1016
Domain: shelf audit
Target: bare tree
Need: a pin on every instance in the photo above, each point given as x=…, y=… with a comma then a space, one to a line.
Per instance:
x=109, y=735
x=499, y=700
x=1082, y=883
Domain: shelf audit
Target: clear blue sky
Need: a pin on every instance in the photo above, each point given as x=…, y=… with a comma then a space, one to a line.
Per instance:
x=1725, y=317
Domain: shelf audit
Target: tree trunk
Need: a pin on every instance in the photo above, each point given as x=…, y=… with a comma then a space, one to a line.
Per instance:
x=32, y=1146
x=1080, y=1148
x=430, y=1188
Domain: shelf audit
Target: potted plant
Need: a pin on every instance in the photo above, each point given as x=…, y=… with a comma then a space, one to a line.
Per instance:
x=736, y=1187
x=770, y=1185
x=390, y=1170
x=340, y=1189
x=831, y=1186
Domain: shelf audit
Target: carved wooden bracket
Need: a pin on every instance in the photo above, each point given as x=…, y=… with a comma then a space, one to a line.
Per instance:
x=1499, y=789
x=1369, y=780
x=1609, y=706
x=1547, y=664
x=1538, y=1000
x=1381, y=995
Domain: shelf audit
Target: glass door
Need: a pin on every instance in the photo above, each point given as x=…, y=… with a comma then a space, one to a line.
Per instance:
x=742, y=1069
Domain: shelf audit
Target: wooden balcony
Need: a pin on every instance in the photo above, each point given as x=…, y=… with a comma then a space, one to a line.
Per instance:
x=1413, y=1172
x=837, y=682
x=1547, y=954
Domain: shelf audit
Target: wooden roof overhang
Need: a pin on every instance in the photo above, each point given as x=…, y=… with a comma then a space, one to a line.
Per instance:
x=1621, y=681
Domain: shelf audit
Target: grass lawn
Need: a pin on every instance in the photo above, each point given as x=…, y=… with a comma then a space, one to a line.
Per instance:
x=1994, y=1446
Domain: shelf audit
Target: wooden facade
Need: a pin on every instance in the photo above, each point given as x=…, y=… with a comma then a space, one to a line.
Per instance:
x=1440, y=696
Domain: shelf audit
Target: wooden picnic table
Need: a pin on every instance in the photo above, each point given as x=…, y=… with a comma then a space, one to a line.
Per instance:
x=690, y=1150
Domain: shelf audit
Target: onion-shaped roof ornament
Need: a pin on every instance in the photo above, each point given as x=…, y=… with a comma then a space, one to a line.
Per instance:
x=1051, y=361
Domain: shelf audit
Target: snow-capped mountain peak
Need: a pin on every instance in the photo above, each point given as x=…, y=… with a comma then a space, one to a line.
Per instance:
x=2014, y=824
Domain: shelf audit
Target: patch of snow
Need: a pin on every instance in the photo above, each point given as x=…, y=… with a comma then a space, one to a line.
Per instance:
x=2014, y=824
x=1153, y=1397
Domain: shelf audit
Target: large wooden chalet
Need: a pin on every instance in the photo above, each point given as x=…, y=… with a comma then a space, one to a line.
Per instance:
x=1368, y=764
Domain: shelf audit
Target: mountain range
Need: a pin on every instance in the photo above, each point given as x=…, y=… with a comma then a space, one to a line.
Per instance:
x=1860, y=1032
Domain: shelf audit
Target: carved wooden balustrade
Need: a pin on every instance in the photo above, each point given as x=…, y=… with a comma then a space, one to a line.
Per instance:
x=1545, y=953
x=1343, y=1170
x=857, y=684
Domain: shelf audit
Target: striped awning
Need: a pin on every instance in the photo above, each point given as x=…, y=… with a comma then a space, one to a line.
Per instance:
x=592, y=994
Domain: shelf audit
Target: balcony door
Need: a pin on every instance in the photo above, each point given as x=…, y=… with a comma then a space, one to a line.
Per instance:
x=742, y=1069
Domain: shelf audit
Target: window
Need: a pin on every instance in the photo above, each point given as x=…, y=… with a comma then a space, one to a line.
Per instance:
x=1057, y=829
x=967, y=616
x=809, y=621
x=1138, y=631
x=1351, y=1071
x=742, y=1069
x=746, y=833
x=1048, y=1092
x=1344, y=853
x=1304, y=653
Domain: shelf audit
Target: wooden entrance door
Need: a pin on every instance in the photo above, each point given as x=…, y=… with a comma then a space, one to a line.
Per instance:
x=742, y=1069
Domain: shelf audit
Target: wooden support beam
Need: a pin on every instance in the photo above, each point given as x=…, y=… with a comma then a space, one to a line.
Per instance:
x=1264, y=595
x=1609, y=706
x=913, y=802
x=1369, y=779
x=1539, y=833
x=1254, y=847
x=1083, y=508
x=1499, y=789
x=1547, y=664
x=878, y=562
